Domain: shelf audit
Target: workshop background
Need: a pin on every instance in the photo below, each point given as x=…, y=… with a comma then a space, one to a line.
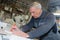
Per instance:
x=16, y=11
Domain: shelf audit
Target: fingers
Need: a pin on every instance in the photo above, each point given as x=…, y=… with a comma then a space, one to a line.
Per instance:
x=14, y=27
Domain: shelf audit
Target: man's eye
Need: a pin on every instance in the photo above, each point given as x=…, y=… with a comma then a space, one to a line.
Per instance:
x=33, y=12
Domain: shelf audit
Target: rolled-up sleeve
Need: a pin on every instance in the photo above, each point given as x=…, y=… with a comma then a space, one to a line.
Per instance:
x=43, y=28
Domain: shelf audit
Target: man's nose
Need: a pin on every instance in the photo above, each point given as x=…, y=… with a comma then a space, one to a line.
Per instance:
x=32, y=14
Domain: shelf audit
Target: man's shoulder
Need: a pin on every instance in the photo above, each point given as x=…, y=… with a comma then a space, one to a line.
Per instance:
x=45, y=14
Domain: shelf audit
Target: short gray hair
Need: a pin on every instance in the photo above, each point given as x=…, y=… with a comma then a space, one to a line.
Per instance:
x=36, y=4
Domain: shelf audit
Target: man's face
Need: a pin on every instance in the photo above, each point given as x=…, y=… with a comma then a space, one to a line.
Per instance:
x=35, y=12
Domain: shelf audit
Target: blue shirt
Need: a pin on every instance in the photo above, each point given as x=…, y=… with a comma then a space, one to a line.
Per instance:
x=42, y=25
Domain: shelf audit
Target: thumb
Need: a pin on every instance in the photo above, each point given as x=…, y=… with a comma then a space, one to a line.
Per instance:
x=13, y=27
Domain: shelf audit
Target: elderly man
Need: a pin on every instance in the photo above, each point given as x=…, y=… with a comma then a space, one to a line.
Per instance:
x=43, y=23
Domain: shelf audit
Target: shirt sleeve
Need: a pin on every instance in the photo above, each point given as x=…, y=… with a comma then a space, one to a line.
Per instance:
x=43, y=28
x=28, y=26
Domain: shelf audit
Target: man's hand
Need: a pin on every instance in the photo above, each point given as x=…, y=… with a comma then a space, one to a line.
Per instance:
x=18, y=32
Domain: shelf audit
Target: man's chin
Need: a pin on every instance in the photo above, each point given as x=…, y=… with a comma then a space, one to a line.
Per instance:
x=35, y=17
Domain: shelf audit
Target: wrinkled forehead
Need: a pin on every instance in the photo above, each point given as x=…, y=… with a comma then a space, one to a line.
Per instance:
x=32, y=8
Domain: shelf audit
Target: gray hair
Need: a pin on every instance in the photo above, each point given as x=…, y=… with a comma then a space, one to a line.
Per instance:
x=36, y=4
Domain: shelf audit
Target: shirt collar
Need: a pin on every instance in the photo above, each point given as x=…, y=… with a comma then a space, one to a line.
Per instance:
x=42, y=15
